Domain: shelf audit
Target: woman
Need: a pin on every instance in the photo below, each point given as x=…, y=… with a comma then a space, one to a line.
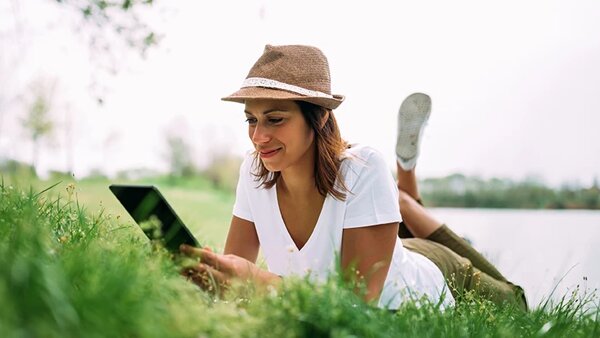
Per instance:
x=306, y=197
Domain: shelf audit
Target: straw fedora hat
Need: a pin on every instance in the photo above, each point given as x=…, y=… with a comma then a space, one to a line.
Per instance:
x=292, y=72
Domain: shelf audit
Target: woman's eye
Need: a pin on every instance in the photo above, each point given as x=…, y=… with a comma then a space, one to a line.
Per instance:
x=251, y=120
x=275, y=120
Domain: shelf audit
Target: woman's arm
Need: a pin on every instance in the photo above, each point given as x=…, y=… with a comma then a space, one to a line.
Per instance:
x=242, y=239
x=370, y=250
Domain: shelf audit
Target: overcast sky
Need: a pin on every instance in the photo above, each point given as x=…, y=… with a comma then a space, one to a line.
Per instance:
x=515, y=84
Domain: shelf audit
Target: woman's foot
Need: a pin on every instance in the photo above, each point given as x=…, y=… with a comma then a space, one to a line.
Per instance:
x=412, y=117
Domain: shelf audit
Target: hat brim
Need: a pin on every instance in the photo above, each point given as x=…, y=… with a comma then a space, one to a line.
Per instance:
x=249, y=93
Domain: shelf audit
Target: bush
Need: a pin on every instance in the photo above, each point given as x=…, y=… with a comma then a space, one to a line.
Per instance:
x=64, y=274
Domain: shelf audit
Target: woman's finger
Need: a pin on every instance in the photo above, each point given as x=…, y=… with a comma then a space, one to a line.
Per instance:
x=190, y=250
x=205, y=255
x=208, y=278
x=201, y=277
x=211, y=258
x=217, y=275
x=203, y=280
x=201, y=268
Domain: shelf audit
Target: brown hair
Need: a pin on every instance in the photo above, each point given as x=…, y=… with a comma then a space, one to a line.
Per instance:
x=328, y=153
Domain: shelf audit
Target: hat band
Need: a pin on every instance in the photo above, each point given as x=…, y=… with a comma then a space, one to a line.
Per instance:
x=268, y=83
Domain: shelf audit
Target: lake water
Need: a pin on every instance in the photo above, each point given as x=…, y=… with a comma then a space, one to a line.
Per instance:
x=535, y=248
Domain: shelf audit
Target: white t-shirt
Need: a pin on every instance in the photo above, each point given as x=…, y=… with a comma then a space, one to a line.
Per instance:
x=372, y=200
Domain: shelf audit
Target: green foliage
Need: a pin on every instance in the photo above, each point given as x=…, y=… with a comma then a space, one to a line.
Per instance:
x=302, y=309
x=38, y=122
x=179, y=158
x=121, y=17
x=64, y=273
x=471, y=192
x=18, y=169
x=223, y=171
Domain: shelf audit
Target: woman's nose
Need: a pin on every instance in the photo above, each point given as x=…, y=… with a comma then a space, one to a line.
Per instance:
x=260, y=134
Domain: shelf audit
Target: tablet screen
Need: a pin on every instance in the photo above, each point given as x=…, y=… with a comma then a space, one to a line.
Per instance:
x=150, y=210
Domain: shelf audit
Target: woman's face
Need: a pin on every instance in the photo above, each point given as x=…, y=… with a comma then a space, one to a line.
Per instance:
x=279, y=133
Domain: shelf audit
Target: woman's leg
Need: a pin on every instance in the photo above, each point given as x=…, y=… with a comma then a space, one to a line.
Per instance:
x=417, y=222
x=463, y=266
x=412, y=117
x=423, y=225
x=456, y=258
x=407, y=184
x=445, y=236
x=416, y=218
x=463, y=277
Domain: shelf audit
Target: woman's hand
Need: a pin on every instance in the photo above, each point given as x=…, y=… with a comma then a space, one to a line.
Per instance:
x=221, y=270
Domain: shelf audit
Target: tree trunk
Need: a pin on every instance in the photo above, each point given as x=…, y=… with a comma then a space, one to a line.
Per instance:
x=34, y=161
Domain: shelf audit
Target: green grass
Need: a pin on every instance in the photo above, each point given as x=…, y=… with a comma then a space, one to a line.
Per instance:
x=70, y=271
x=205, y=210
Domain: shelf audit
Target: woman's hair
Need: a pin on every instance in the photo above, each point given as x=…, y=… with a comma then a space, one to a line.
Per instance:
x=328, y=153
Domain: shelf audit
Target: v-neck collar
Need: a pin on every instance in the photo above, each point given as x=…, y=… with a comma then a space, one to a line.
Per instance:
x=283, y=227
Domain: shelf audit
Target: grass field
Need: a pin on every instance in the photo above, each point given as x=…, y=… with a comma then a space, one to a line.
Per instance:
x=75, y=266
x=205, y=210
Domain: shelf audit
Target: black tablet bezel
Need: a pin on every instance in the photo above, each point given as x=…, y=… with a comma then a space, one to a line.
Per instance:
x=182, y=235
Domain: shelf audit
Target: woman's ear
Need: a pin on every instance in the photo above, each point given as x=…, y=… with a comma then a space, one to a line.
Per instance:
x=324, y=119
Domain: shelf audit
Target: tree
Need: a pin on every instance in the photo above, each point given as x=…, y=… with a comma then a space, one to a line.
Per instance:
x=179, y=157
x=106, y=26
x=223, y=170
x=112, y=31
x=120, y=17
x=38, y=122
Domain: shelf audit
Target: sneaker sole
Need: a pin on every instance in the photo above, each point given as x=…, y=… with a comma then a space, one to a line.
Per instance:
x=412, y=117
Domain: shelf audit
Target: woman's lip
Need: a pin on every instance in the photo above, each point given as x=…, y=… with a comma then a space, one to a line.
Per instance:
x=269, y=153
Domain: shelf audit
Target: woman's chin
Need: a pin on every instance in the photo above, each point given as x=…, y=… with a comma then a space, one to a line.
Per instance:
x=271, y=167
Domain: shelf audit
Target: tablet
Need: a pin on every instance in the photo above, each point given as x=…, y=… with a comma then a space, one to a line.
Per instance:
x=146, y=204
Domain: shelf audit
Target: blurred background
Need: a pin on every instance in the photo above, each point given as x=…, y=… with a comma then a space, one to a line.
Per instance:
x=105, y=91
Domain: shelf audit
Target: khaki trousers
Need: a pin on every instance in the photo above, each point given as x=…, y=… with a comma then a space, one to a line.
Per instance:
x=464, y=268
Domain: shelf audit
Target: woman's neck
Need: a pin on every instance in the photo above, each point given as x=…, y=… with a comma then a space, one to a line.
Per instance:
x=299, y=179
x=299, y=185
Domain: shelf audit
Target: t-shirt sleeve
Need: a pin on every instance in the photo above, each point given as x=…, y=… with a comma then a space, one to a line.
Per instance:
x=373, y=198
x=241, y=207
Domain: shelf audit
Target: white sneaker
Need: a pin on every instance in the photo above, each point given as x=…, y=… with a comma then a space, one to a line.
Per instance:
x=412, y=117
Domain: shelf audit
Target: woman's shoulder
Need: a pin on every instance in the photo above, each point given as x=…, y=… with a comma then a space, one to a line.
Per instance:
x=360, y=156
x=360, y=160
x=361, y=151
